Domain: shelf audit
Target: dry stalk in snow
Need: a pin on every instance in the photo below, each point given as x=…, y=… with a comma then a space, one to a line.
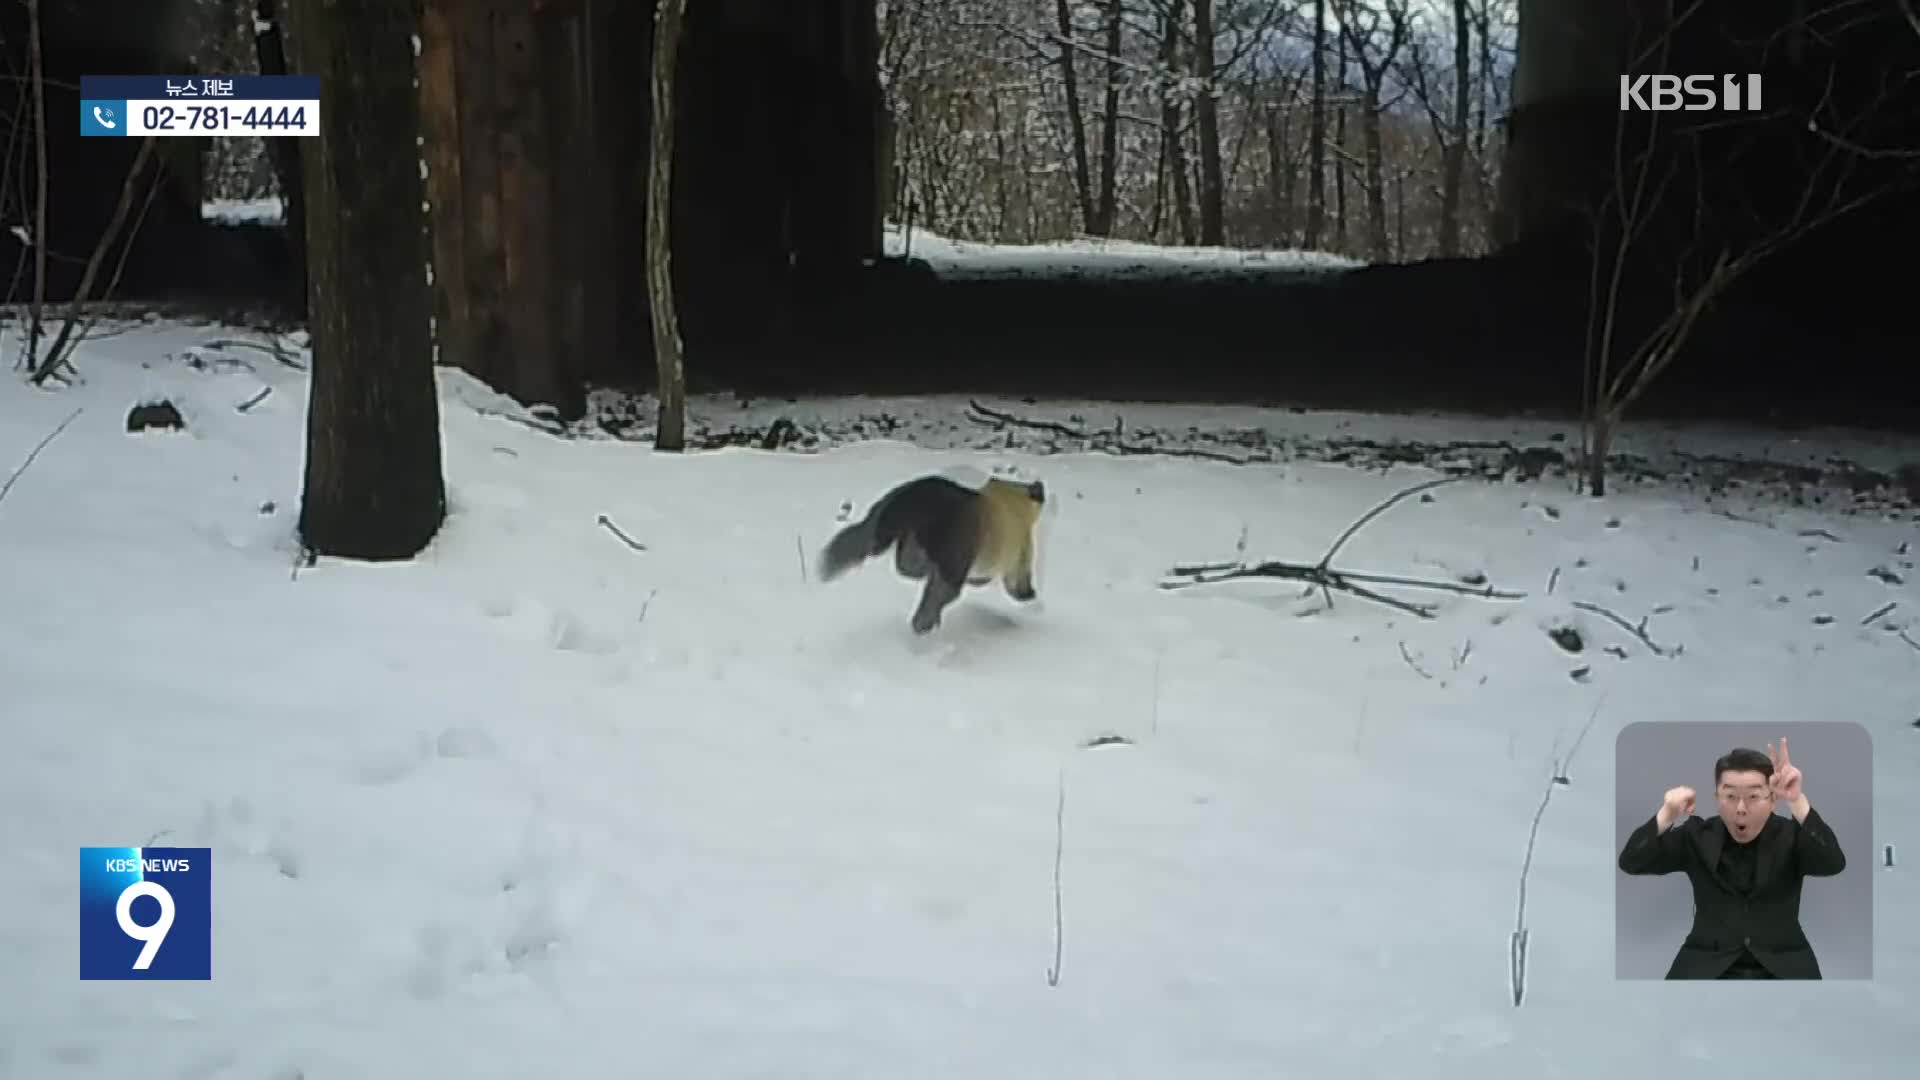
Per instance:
x=1323, y=576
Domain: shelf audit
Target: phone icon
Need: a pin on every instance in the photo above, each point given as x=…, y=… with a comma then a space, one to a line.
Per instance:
x=103, y=117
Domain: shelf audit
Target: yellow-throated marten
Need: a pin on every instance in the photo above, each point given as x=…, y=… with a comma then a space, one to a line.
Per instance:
x=949, y=535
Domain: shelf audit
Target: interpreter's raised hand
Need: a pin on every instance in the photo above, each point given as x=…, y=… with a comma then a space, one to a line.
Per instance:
x=1785, y=781
x=1676, y=804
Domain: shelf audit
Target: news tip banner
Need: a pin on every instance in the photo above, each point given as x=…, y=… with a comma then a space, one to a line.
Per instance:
x=200, y=105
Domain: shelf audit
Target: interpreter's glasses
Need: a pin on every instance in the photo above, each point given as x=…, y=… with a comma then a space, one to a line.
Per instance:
x=1747, y=798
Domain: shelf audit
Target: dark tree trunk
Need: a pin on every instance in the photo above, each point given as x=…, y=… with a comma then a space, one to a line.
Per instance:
x=374, y=486
x=1454, y=161
x=671, y=368
x=1207, y=112
x=270, y=49
x=1176, y=150
x=1317, y=133
x=1371, y=137
x=1110, y=124
x=1340, y=148
x=521, y=200
x=1076, y=119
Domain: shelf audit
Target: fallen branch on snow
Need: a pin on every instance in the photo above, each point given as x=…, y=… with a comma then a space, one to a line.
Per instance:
x=1321, y=575
x=15, y=476
x=545, y=427
x=1106, y=442
x=1517, y=942
x=1059, y=848
x=1417, y=669
x=1884, y=609
x=1639, y=631
x=607, y=524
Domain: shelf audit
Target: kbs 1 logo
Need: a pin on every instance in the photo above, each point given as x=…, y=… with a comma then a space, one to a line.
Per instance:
x=1691, y=93
x=146, y=913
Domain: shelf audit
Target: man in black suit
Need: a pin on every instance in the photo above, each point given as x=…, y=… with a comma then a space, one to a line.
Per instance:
x=1746, y=866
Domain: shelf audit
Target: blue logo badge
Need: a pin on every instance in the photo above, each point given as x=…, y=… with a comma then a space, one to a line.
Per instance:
x=103, y=117
x=146, y=913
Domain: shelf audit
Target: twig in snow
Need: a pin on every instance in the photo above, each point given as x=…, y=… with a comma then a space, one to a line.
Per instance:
x=35, y=452
x=1517, y=943
x=800, y=550
x=1820, y=534
x=274, y=350
x=1552, y=580
x=1903, y=636
x=1379, y=509
x=1322, y=576
x=607, y=524
x=1059, y=849
x=1417, y=669
x=648, y=602
x=1460, y=658
x=247, y=405
x=1155, y=721
x=544, y=427
x=1517, y=965
x=1879, y=611
x=1639, y=631
x=1106, y=442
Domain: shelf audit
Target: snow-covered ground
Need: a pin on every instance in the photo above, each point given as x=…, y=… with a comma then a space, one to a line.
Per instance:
x=1093, y=257
x=540, y=804
x=268, y=209
x=961, y=259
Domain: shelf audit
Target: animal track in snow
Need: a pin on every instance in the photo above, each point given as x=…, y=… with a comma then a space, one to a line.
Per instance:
x=392, y=764
x=235, y=827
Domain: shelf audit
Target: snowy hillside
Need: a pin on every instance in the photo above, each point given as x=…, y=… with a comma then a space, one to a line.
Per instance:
x=1087, y=258
x=1096, y=258
x=541, y=804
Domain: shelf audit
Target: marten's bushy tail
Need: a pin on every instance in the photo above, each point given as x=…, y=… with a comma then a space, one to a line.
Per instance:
x=849, y=548
x=930, y=505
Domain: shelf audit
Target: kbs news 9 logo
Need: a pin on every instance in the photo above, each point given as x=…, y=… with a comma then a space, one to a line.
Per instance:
x=146, y=913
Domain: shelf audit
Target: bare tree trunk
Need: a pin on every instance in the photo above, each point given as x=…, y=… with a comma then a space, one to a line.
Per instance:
x=37, y=314
x=1400, y=212
x=1076, y=120
x=1453, y=169
x=374, y=488
x=83, y=292
x=1002, y=207
x=1176, y=151
x=1279, y=195
x=1370, y=124
x=1110, y=125
x=670, y=364
x=1212, y=184
x=1486, y=77
x=270, y=50
x=1317, y=135
x=1340, y=144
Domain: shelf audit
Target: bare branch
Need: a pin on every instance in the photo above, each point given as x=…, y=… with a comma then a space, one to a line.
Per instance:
x=14, y=477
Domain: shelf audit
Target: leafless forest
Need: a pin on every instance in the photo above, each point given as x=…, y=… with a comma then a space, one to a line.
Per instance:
x=1369, y=128
x=1363, y=127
